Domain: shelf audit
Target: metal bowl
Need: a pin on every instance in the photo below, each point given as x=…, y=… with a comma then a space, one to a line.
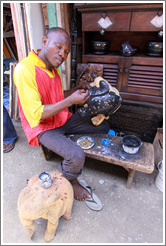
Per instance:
x=45, y=180
x=154, y=48
x=100, y=47
x=85, y=142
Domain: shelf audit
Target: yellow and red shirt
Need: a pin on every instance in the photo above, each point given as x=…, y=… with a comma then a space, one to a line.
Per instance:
x=37, y=86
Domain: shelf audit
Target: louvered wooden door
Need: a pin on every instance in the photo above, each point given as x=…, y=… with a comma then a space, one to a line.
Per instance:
x=136, y=78
x=142, y=79
x=112, y=67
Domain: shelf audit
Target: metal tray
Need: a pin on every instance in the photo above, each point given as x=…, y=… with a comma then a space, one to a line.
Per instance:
x=85, y=142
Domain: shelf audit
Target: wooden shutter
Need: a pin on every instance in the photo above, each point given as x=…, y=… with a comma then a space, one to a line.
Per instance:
x=110, y=73
x=143, y=80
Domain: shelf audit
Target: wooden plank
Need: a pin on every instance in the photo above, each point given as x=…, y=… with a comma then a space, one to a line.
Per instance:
x=150, y=69
x=18, y=30
x=142, y=161
x=5, y=50
x=154, y=78
x=45, y=16
x=26, y=28
x=141, y=21
x=52, y=16
x=140, y=97
x=143, y=90
x=113, y=153
x=158, y=146
x=120, y=21
x=88, y=7
x=147, y=60
x=13, y=110
x=130, y=178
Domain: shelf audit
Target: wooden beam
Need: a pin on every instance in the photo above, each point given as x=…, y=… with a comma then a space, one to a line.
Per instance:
x=45, y=17
x=52, y=16
x=26, y=28
x=21, y=52
x=18, y=30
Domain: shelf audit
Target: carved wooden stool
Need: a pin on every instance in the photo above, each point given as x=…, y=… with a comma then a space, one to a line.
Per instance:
x=34, y=202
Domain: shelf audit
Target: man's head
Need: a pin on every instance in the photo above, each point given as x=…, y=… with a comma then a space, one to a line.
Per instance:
x=56, y=47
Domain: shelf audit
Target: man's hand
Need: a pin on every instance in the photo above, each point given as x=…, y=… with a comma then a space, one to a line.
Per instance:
x=79, y=97
x=78, y=87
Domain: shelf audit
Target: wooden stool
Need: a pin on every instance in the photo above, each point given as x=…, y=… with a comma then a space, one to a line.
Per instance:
x=46, y=152
x=34, y=202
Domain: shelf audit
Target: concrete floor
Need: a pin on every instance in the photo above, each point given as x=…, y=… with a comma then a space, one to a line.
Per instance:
x=128, y=216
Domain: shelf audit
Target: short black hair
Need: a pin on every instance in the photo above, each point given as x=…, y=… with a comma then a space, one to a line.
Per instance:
x=57, y=29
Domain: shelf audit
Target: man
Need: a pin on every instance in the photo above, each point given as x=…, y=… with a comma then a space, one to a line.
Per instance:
x=44, y=106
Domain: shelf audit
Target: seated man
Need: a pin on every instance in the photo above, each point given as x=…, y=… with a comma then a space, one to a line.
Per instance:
x=44, y=106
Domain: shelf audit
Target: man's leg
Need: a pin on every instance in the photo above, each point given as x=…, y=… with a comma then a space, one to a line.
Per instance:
x=73, y=155
x=77, y=125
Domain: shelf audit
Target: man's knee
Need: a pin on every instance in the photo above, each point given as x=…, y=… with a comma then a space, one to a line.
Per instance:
x=78, y=160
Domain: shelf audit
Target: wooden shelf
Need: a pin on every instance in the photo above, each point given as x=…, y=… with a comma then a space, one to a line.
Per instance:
x=108, y=58
x=138, y=78
x=115, y=54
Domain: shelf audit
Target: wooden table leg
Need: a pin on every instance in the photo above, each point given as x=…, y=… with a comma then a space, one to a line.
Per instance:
x=130, y=178
x=46, y=152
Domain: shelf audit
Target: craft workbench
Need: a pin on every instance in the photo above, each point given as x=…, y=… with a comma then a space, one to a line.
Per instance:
x=113, y=153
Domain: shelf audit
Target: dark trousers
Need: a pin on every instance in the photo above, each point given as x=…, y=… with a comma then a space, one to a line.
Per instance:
x=9, y=132
x=73, y=155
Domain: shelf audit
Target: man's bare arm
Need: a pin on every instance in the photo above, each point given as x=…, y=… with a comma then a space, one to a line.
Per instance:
x=78, y=97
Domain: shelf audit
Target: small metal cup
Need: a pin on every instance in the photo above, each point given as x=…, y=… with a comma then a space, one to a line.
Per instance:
x=45, y=180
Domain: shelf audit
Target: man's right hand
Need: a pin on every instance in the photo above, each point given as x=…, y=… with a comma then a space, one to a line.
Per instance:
x=79, y=97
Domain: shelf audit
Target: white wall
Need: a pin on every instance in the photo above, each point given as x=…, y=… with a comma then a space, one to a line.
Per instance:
x=35, y=24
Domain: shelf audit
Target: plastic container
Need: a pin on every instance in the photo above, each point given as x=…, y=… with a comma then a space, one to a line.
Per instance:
x=111, y=132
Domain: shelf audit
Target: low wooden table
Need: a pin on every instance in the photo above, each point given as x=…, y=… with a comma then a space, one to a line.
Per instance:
x=113, y=153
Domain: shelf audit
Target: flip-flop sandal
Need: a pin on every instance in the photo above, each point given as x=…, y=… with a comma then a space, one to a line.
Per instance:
x=93, y=203
x=10, y=148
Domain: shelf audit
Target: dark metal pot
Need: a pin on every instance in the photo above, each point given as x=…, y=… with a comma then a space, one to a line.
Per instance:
x=131, y=144
x=100, y=47
x=154, y=48
x=127, y=50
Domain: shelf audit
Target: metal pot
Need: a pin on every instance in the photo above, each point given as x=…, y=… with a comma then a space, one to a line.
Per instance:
x=127, y=50
x=154, y=48
x=100, y=47
x=131, y=144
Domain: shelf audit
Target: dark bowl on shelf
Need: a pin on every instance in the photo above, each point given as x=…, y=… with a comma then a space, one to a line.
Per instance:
x=100, y=47
x=154, y=48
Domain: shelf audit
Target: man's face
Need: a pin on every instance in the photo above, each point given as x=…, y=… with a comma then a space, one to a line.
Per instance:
x=57, y=48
